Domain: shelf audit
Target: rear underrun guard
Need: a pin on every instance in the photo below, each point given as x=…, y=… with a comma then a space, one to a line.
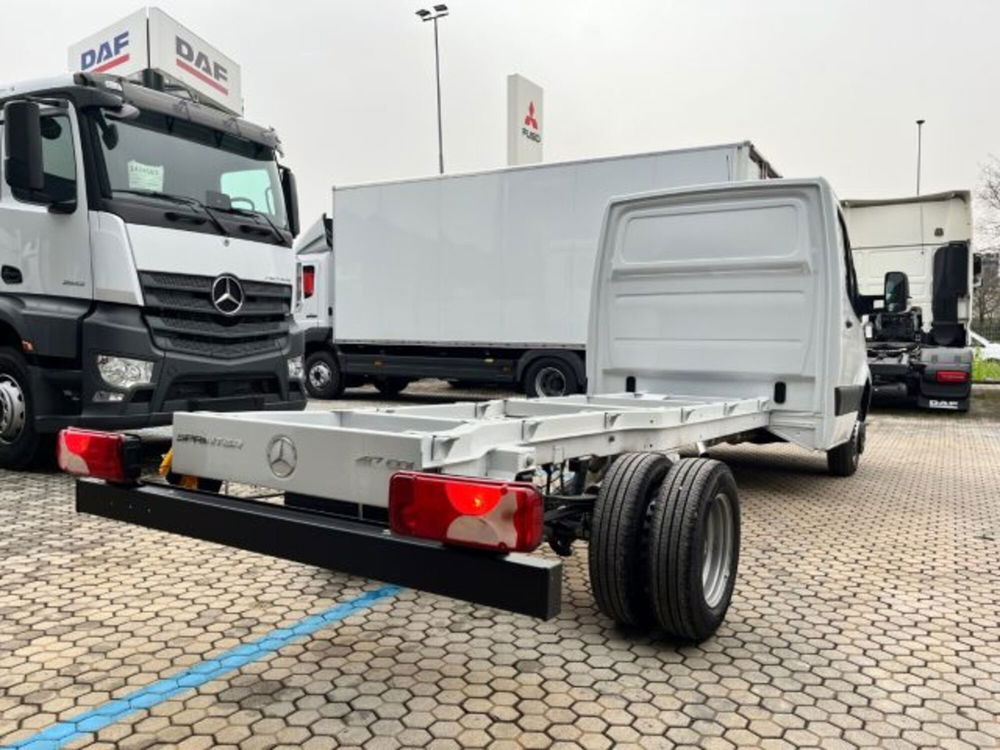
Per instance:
x=519, y=583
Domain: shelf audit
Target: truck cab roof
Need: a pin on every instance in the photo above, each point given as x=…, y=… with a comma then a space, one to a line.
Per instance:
x=99, y=90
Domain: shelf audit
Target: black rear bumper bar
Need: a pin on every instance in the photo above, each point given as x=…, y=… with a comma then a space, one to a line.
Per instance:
x=516, y=583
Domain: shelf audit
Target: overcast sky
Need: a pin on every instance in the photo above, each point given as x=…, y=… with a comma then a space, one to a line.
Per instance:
x=826, y=88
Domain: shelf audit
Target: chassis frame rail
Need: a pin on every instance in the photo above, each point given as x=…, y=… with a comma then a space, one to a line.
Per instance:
x=519, y=583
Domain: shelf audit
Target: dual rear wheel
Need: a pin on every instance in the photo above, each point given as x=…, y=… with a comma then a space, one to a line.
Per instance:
x=665, y=541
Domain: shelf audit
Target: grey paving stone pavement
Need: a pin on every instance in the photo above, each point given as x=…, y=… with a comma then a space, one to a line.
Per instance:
x=866, y=614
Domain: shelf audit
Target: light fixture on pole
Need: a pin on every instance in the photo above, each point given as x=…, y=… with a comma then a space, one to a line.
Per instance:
x=920, y=128
x=438, y=11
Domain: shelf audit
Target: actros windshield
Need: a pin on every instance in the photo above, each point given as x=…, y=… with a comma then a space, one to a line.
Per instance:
x=156, y=154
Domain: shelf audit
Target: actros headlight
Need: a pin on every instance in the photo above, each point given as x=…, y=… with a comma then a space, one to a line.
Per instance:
x=296, y=368
x=124, y=373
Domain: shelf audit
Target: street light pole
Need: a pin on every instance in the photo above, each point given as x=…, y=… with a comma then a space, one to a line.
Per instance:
x=440, y=11
x=920, y=129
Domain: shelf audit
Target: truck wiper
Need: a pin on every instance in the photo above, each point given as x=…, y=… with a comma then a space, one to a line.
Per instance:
x=182, y=199
x=253, y=215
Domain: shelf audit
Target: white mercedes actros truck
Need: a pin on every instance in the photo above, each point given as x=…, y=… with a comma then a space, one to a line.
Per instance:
x=479, y=277
x=145, y=258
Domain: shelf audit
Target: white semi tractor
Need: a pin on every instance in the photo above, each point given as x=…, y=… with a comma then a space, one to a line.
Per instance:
x=145, y=261
x=919, y=348
x=725, y=313
x=476, y=277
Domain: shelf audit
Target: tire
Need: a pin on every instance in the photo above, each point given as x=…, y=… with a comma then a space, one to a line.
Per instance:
x=690, y=588
x=548, y=377
x=323, y=376
x=391, y=385
x=20, y=444
x=615, y=553
x=843, y=460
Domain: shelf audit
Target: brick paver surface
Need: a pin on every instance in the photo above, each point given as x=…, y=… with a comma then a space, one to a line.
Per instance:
x=865, y=614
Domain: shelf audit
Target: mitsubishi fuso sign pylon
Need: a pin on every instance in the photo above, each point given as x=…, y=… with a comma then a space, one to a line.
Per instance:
x=524, y=121
x=149, y=39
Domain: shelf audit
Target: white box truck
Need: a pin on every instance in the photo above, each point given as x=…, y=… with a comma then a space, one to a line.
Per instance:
x=918, y=345
x=726, y=313
x=145, y=261
x=477, y=277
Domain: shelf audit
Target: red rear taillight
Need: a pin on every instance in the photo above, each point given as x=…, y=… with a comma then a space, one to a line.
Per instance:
x=951, y=376
x=104, y=455
x=308, y=281
x=484, y=513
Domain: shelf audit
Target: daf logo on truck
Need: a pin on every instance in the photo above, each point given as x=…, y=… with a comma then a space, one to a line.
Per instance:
x=107, y=55
x=227, y=295
x=201, y=66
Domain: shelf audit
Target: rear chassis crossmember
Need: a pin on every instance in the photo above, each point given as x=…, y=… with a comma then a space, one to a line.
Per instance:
x=525, y=584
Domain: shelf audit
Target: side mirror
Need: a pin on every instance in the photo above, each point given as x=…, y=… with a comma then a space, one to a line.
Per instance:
x=23, y=146
x=291, y=200
x=897, y=292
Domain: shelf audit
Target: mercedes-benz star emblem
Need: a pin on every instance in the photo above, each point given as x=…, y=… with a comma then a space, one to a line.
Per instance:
x=282, y=456
x=227, y=295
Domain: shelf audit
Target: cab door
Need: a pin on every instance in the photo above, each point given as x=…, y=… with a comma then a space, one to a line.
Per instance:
x=854, y=373
x=45, y=250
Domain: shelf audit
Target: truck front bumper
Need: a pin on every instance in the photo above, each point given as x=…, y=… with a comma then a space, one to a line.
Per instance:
x=518, y=583
x=181, y=382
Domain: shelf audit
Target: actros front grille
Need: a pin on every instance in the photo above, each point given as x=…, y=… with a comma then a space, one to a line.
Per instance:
x=182, y=317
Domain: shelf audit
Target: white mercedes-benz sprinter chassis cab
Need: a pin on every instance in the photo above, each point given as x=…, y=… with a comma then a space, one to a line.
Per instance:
x=145, y=261
x=718, y=314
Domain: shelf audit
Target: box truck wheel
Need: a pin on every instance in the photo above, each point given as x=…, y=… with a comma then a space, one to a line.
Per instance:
x=390, y=386
x=842, y=461
x=693, y=548
x=323, y=376
x=550, y=376
x=19, y=442
x=615, y=553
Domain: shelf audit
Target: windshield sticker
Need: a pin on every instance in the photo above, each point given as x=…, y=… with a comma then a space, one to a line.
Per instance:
x=145, y=177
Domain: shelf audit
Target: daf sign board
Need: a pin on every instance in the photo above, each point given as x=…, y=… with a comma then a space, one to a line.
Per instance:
x=150, y=39
x=190, y=60
x=524, y=121
x=120, y=49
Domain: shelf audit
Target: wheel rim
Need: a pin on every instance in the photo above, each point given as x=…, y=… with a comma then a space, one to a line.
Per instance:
x=720, y=528
x=320, y=375
x=550, y=381
x=13, y=411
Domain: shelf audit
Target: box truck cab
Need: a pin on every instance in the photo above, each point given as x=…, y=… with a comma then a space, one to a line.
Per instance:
x=145, y=261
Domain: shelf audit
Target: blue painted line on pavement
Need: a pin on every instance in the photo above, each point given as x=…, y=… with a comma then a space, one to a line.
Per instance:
x=113, y=711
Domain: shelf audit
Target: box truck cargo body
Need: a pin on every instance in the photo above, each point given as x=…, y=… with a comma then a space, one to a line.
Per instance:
x=480, y=277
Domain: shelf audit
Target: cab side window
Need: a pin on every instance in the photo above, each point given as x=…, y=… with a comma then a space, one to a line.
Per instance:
x=58, y=160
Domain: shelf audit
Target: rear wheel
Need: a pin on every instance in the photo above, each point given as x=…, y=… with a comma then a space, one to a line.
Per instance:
x=391, y=386
x=693, y=552
x=549, y=377
x=20, y=444
x=616, y=550
x=323, y=376
x=843, y=460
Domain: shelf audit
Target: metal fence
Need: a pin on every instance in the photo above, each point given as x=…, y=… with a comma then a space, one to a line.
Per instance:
x=989, y=329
